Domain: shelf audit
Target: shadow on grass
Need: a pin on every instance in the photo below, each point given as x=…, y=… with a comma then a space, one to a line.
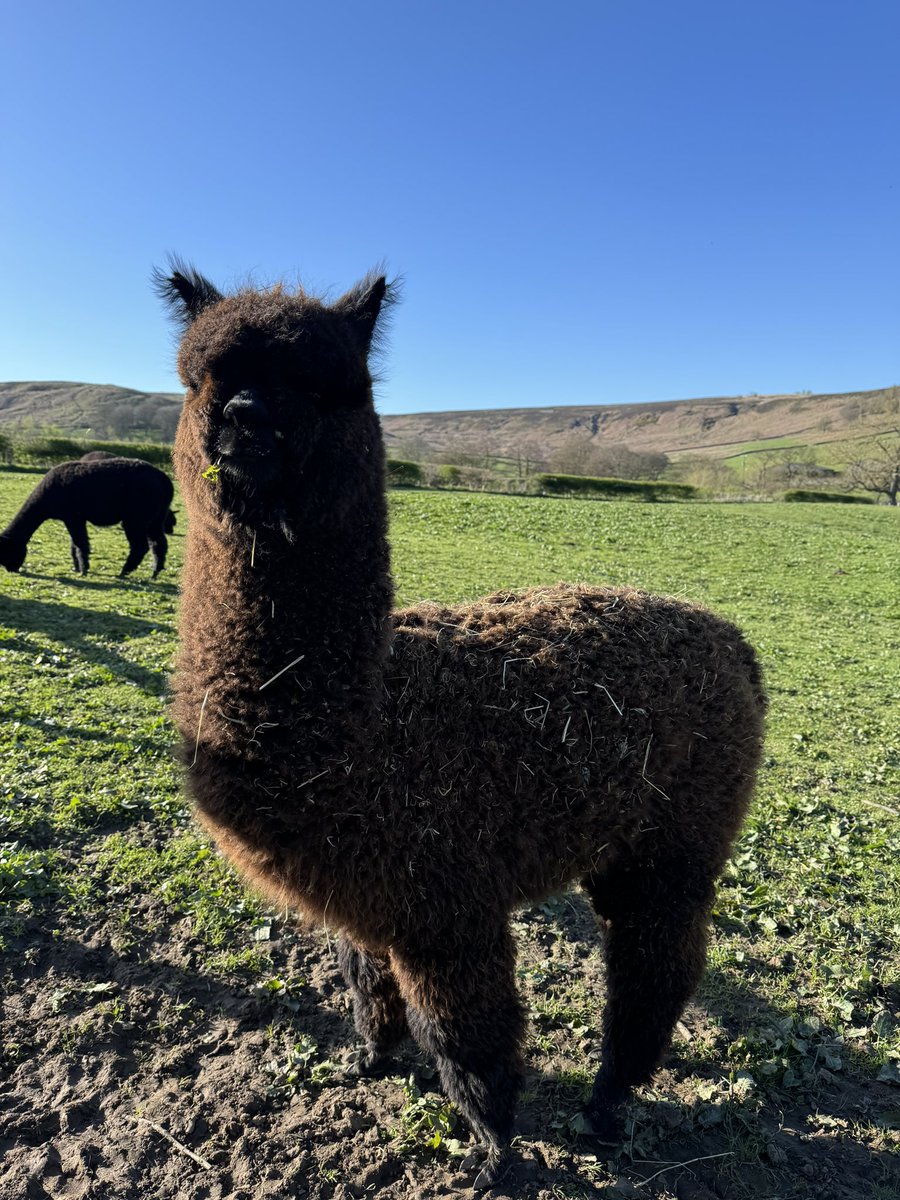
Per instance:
x=75, y=628
x=827, y=1134
x=114, y=583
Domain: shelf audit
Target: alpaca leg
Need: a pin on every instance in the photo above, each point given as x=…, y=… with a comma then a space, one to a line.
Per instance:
x=378, y=1011
x=463, y=1010
x=137, y=547
x=158, y=549
x=655, y=955
x=80, y=546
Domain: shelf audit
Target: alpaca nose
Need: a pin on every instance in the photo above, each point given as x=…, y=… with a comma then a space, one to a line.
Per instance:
x=247, y=411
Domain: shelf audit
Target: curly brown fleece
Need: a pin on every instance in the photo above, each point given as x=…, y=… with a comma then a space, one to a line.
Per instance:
x=409, y=778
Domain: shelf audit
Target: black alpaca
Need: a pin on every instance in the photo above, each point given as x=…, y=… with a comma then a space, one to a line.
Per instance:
x=106, y=491
x=105, y=456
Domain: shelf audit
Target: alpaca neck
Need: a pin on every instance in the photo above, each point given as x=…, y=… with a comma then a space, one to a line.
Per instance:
x=27, y=520
x=278, y=696
x=284, y=645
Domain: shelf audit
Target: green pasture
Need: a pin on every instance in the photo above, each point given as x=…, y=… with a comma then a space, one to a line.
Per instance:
x=761, y=445
x=805, y=957
x=825, y=450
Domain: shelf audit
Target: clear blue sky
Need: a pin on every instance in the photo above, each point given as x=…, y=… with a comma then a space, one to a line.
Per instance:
x=590, y=202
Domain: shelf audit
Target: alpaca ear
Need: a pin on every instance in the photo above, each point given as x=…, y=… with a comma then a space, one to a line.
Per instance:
x=185, y=292
x=363, y=304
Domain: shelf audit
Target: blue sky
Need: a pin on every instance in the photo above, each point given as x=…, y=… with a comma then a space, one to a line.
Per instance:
x=594, y=202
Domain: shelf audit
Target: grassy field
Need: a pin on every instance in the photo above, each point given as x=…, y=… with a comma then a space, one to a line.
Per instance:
x=826, y=450
x=128, y=946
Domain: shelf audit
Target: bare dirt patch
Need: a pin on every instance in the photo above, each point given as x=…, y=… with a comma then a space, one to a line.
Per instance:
x=130, y=1070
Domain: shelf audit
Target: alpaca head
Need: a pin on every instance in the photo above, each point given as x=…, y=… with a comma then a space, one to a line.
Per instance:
x=12, y=552
x=278, y=427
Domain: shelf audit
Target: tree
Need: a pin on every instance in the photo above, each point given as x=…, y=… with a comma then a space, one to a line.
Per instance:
x=781, y=468
x=705, y=472
x=411, y=448
x=574, y=456
x=529, y=456
x=580, y=455
x=464, y=452
x=879, y=472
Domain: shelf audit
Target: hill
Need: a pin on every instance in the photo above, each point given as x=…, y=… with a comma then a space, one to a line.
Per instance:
x=89, y=410
x=718, y=427
x=715, y=427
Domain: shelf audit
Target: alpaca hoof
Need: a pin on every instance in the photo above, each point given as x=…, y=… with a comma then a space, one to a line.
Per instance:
x=603, y=1119
x=363, y=1063
x=604, y=1112
x=493, y=1171
x=602, y=1124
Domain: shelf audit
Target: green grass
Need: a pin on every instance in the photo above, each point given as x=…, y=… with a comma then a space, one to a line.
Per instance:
x=803, y=972
x=814, y=881
x=827, y=450
x=761, y=445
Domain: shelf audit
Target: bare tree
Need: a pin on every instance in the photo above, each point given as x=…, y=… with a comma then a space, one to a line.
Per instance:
x=777, y=468
x=530, y=457
x=464, y=452
x=411, y=449
x=580, y=455
x=574, y=456
x=706, y=472
x=879, y=472
x=621, y=462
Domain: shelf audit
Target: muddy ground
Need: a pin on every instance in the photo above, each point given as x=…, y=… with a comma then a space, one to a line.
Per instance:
x=128, y=1070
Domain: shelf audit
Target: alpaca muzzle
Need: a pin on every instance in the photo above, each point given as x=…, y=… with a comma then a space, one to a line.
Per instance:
x=248, y=436
x=247, y=411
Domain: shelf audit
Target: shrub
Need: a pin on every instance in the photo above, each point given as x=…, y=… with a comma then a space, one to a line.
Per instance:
x=47, y=451
x=157, y=453
x=403, y=474
x=613, y=489
x=802, y=496
x=449, y=475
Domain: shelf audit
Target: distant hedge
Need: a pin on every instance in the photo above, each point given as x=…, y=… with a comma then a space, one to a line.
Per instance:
x=613, y=489
x=47, y=451
x=801, y=496
x=403, y=474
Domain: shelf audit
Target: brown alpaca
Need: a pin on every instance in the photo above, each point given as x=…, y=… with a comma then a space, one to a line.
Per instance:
x=410, y=778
